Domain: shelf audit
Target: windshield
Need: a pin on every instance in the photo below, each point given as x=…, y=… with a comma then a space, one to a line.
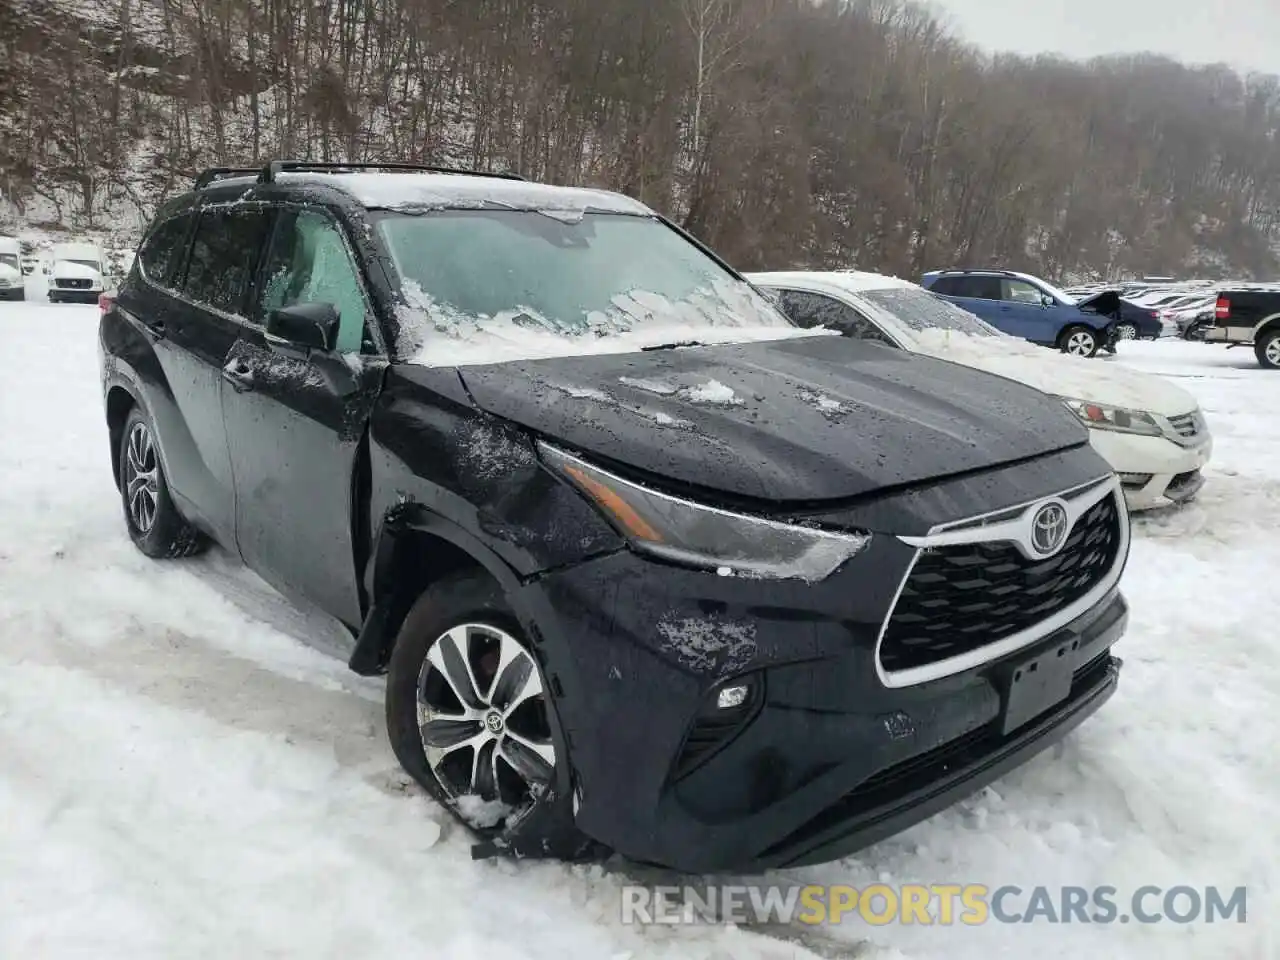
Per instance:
x=9, y=260
x=91, y=264
x=921, y=310
x=526, y=276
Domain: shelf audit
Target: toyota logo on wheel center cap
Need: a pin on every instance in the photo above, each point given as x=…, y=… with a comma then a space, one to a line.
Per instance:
x=494, y=722
x=1049, y=529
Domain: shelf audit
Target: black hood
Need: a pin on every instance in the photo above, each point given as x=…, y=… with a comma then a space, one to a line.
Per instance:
x=809, y=419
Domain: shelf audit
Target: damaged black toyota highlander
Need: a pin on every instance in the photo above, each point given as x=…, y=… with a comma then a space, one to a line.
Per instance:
x=648, y=569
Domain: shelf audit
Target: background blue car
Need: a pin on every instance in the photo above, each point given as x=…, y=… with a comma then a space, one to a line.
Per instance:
x=1025, y=306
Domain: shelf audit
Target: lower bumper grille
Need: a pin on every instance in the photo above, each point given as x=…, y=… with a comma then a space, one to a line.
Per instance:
x=919, y=773
x=962, y=597
x=74, y=284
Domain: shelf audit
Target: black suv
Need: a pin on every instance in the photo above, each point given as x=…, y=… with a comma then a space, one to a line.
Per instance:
x=649, y=569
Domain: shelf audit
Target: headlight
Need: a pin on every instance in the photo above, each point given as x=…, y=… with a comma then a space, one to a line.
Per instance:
x=676, y=529
x=1119, y=419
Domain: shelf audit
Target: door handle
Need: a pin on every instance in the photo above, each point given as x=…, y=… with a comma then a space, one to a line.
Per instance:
x=155, y=329
x=239, y=374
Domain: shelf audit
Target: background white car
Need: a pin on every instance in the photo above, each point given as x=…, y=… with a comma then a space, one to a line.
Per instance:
x=77, y=273
x=1151, y=432
x=12, y=283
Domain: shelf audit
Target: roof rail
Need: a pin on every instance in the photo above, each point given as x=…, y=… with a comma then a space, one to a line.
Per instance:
x=216, y=173
x=273, y=169
x=1003, y=273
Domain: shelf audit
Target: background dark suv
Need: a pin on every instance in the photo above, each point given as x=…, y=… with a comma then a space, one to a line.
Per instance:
x=648, y=567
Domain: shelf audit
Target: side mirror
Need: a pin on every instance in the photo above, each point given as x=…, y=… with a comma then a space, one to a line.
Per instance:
x=46, y=270
x=1046, y=300
x=304, y=327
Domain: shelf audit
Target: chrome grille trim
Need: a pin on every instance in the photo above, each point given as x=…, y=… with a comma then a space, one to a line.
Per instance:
x=981, y=529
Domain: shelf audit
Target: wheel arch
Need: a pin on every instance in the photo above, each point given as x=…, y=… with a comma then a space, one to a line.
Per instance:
x=119, y=401
x=1267, y=324
x=415, y=548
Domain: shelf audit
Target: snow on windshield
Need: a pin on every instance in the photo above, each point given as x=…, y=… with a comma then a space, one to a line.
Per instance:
x=921, y=310
x=482, y=286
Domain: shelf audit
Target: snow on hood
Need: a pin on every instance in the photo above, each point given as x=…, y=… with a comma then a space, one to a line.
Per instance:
x=66, y=268
x=1057, y=373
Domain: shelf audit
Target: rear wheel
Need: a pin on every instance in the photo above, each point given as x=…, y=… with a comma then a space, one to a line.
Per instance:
x=154, y=523
x=1267, y=348
x=470, y=717
x=1079, y=341
x=1127, y=331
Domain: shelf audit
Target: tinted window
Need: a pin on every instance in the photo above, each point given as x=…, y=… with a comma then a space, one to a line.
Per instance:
x=971, y=285
x=815, y=310
x=308, y=263
x=982, y=288
x=164, y=248
x=223, y=256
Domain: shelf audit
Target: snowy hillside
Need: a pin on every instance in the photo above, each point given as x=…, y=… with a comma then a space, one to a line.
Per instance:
x=822, y=134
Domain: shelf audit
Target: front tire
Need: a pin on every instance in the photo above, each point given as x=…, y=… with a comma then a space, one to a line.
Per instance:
x=1079, y=341
x=1267, y=349
x=469, y=716
x=154, y=523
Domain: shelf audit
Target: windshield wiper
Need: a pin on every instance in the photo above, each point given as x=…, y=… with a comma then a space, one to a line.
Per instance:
x=673, y=346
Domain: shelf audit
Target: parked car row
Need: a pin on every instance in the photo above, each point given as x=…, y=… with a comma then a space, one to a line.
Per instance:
x=1152, y=432
x=77, y=272
x=652, y=563
x=12, y=285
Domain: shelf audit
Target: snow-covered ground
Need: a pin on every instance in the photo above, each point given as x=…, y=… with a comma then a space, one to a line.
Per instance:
x=182, y=776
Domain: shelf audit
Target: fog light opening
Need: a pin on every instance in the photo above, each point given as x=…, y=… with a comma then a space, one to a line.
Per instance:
x=1135, y=479
x=732, y=697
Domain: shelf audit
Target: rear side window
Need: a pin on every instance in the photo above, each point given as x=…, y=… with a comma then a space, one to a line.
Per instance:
x=816, y=310
x=948, y=286
x=223, y=256
x=162, y=253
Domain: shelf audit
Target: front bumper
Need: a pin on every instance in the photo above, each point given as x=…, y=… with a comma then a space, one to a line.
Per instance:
x=827, y=759
x=1154, y=471
x=60, y=295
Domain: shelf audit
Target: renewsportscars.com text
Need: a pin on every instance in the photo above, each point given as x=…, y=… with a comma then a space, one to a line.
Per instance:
x=942, y=904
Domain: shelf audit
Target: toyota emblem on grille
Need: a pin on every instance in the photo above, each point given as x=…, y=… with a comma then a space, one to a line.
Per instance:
x=1049, y=529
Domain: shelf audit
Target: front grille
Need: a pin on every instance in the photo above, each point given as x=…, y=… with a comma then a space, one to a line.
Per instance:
x=962, y=597
x=1187, y=426
x=74, y=284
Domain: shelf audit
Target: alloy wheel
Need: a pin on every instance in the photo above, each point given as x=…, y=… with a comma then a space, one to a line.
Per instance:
x=1273, y=352
x=1081, y=344
x=142, y=478
x=1127, y=331
x=482, y=715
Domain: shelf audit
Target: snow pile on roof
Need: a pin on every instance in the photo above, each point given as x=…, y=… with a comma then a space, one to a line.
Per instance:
x=420, y=192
